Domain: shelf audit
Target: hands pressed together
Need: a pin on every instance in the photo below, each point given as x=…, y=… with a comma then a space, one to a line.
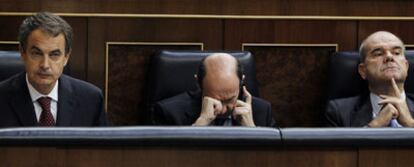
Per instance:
x=394, y=107
x=211, y=108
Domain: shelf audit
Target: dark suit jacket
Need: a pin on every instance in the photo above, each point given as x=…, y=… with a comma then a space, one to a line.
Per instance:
x=80, y=103
x=185, y=108
x=355, y=111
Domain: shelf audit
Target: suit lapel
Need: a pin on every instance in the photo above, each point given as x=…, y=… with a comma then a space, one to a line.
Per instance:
x=410, y=103
x=66, y=102
x=363, y=112
x=22, y=102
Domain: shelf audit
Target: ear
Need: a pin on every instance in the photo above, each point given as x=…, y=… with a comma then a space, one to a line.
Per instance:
x=22, y=53
x=67, y=57
x=362, y=70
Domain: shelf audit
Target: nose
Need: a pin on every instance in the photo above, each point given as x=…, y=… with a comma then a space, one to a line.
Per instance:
x=45, y=62
x=224, y=109
x=388, y=56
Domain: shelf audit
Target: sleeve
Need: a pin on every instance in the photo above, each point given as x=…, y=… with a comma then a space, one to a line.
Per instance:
x=102, y=119
x=332, y=115
x=270, y=120
x=159, y=116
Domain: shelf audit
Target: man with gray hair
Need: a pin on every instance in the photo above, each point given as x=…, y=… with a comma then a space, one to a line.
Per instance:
x=384, y=65
x=42, y=95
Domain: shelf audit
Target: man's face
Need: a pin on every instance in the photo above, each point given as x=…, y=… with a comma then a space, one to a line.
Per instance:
x=44, y=59
x=385, y=60
x=226, y=91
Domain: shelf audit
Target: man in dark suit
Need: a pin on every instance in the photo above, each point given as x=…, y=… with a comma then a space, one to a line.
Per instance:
x=221, y=101
x=384, y=66
x=42, y=96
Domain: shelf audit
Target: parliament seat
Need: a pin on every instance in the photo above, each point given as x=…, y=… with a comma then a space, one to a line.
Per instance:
x=171, y=72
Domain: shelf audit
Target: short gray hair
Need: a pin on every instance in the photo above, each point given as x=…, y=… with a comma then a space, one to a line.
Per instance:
x=49, y=23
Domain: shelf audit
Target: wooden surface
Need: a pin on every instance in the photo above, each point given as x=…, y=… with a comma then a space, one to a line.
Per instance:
x=174, y=156
x=202, y=156
x=228, y=7
x=88, y=60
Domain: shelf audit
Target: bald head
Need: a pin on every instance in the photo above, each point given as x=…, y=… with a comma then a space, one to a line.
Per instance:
x=219, y=77
x=220, y=66
x=378, y=38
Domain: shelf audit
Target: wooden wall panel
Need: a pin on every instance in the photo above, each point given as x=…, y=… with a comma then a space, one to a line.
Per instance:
x=78, y=58
x=227, y=7
x=127, y=75
x=403, y=29
x=100, y=31
x=238, y=32
x=178, y=156
x=9, y=46
x=384, y=157
x=294, y=79
x=9, y=27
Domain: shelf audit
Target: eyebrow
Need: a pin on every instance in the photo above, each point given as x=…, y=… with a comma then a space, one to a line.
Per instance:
x=56, y=51
x=397, y=47
x=38, y=49
x=376, y=49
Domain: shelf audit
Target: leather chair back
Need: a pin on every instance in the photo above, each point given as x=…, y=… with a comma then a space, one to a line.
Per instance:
x=172, y=72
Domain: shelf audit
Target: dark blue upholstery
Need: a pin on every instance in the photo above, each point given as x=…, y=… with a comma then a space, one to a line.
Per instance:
x=145, y=136
x=208, y=136
x=347, y=136
x=10, y=64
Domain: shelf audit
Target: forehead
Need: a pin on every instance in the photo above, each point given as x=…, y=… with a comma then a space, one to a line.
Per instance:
x=221, y=88
x=42, y=39
x=383, y=41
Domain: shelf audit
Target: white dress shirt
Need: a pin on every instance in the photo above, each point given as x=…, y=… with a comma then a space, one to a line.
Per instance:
x=34, y=94
x=376, y=108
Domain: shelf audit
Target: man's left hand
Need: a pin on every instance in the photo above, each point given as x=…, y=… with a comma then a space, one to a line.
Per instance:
x=398, y=102
x=243, y=110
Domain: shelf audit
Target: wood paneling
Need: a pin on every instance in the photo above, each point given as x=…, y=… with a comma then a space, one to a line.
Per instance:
x=238, y=32
x=207, y=31
x=78, y=58
x=294, y=80
x=177, y=157
x=127, y=74
x=9, y=47
x=403, y=29
x=384, y=157
x=227, y=7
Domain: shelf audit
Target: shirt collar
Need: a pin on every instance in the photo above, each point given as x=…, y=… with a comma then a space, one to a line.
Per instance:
x=34, y=94
x=374, y=102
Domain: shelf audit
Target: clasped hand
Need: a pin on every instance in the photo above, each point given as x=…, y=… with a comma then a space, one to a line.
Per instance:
x=211, y=108
x=394, y=107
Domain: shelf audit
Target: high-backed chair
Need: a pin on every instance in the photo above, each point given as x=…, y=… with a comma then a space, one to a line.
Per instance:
x=11, y=64
x=345, y=81
x=172, y=72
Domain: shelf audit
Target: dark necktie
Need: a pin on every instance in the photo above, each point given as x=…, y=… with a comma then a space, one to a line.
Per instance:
x=46, y=117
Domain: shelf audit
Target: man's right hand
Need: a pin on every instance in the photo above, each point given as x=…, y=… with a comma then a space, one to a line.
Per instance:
x=210, y=107
x=384, y=117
